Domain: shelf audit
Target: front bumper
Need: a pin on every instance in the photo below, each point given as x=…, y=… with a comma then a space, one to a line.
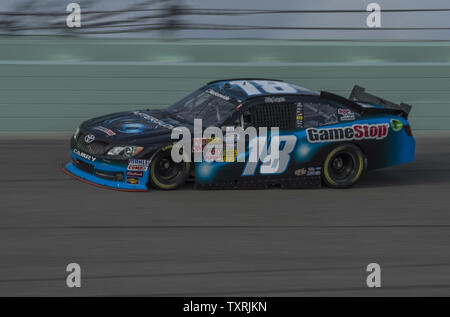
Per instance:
x=106, y=174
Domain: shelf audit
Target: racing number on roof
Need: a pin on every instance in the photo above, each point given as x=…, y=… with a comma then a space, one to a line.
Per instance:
x=247, y=87
x=264, y=86
x=273, y=87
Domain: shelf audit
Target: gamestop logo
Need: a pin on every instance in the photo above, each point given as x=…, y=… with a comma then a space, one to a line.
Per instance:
x=355, y=132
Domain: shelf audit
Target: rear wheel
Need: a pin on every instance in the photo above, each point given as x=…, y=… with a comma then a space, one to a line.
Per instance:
x=343, y=166
x=165, y=173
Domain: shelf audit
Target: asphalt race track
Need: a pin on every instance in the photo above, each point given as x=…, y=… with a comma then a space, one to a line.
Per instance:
x=243, y=243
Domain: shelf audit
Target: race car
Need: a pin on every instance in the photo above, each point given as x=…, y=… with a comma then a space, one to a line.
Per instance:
x=323, y=139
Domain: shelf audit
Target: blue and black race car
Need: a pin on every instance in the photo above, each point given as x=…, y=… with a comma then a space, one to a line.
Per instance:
x=326, y=139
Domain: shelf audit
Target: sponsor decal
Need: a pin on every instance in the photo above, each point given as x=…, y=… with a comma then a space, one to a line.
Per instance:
x=310, y=171
x=200, y=143
x=230, y=155
x=89, y=138
x=274, y=99
x=396, y=125
x=137, y=168
x=133, y=181
x=346, y=114
x=153, y=120
x=84, y=155
x=213, y=154
x=139, y=162
x=299, y=116
x=215, y=93
x=313, y=171
x=134, y=173
x=355, y=132
x=107, y=131
x=137, y=165
x=225, y=155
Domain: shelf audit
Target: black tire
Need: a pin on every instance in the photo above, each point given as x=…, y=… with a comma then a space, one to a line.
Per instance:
x=165, y=173
x=343, y=166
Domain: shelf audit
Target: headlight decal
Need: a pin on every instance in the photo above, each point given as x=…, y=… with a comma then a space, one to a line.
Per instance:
x=125, y=150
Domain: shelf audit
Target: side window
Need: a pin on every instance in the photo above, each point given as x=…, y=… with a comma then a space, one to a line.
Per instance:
x=281, y=115
x=319, y=113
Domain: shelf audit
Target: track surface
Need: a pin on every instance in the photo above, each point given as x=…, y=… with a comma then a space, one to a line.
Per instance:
x=188, y=242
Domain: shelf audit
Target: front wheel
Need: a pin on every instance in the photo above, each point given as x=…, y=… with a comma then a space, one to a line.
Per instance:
x=166, y=174
x=343, y=166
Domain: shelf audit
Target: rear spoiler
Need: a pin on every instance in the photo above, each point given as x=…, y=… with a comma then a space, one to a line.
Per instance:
x=359, y=94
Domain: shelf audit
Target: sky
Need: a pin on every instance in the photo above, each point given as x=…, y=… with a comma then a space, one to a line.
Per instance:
x=414, y=19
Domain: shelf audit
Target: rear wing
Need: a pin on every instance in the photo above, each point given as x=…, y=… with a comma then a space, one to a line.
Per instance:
x=359, y=94
x=358, y=108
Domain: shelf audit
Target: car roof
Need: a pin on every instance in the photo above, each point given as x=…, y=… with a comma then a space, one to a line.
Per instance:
x=224, y=86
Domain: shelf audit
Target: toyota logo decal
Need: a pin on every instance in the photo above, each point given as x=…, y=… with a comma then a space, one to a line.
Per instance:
x=89, y=138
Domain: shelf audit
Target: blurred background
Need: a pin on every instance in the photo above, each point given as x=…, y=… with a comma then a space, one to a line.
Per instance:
x=149, y=53
x=132, y=54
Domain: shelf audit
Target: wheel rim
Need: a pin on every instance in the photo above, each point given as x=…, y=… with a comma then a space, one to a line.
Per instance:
x=342, y=166
x=166, y=169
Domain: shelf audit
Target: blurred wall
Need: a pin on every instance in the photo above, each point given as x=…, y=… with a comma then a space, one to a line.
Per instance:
x=52, y=84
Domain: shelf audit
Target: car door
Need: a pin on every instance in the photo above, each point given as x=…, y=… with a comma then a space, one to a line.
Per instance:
x=266, y=114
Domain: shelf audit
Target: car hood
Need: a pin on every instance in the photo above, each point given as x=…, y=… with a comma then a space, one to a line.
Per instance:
x=132, y=127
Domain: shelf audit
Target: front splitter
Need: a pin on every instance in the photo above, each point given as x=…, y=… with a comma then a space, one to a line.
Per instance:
x=71, y=170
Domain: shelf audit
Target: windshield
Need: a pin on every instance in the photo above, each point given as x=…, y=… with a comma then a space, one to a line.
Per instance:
x=206, y=104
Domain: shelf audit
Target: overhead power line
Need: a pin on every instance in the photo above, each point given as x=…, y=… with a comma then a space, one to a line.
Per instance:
x=204, y=11
x=189, y=26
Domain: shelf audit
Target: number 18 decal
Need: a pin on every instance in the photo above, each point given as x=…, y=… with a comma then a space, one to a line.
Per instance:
x=264, y=86
x=274, y=162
